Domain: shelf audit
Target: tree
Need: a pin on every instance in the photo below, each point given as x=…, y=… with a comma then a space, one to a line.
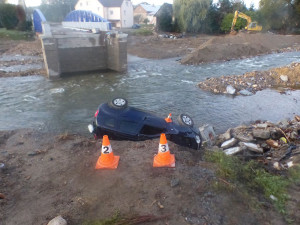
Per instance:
x=8, y=16
x=164, y=18
x=190, y=14
x=146, y=21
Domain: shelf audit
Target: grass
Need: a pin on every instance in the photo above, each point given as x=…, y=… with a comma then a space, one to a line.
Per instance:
x=250, y=177
x=110, y=221
x=15, y=35
x=142, y=32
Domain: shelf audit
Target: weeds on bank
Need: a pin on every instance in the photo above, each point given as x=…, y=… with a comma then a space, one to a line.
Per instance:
x=142, y=32
x=251, y=177
x=15, y=35
x=117, y=219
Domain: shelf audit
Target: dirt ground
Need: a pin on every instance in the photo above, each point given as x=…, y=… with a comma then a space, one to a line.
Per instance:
x=46, y=175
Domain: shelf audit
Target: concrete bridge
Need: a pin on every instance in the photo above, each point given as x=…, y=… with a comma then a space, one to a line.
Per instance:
x=69, y=51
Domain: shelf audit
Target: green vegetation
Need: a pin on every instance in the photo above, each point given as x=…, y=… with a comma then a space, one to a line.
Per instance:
x=8, y=16
x=15, y=34
x=205, y=17
x=251, y=178
x=143, y=31
x=110, y=221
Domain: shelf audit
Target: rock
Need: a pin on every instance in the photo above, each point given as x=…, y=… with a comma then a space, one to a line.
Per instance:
x=230, y=90
x=2, y=167
x=245, y=92
x=272, y=143
x=160, y=205
x=229, y=143
x=283, y=124
x=262, y=125
x=252, y=147
x=297, y=118
x=261, y=133
x=226, y=136
x=174, y=182
x=57, y=221
x=2, y=196
x=276, y=166
x=290, y=164
x=284, y=78
x=232, y=151
x=244, y=137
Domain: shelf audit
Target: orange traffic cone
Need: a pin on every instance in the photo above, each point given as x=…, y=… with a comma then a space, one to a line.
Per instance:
x=169, y=118
x=107, y=159
x=163, y=157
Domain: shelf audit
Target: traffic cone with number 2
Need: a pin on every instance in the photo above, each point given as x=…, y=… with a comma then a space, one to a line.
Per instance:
x=163, y=157
x=107, y=159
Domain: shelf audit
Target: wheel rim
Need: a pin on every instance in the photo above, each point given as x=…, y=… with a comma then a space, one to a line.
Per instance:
x=119, y=102
x=187, y=120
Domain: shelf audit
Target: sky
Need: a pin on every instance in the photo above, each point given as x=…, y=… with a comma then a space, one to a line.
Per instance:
x=135, y=2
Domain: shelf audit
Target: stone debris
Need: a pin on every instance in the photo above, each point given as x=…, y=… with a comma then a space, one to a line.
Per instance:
x=229, y=143
x=251, y=82
x=230, y=90
x=232, y=151
x=57, y=221
x=276, y=145
x=252, y=147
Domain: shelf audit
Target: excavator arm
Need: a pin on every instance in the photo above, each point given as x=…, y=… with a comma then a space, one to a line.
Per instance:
x=242, y=15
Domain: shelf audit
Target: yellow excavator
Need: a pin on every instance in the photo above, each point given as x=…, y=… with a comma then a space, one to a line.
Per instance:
x=251, y=26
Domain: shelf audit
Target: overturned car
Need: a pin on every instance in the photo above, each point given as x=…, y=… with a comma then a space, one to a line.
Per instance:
x=121, y=122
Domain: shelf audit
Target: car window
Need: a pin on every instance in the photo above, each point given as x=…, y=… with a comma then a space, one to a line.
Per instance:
x=128, y=127
x=107, y=121
x=150, y=130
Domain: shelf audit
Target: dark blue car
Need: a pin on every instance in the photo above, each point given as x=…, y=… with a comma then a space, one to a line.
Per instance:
x=119, y=121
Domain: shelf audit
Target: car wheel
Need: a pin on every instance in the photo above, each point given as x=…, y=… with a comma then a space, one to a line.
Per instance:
x=185, y=120
x=118, y=103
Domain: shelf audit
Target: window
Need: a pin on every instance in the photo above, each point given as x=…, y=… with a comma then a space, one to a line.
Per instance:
x=98, y=8
x=126, y=3
x=87, y=3
x=111, y=12
x=130, y=127
x=150, y=130
x=107, y=121
x=124, y=12
x=124, y=22
x=80, y=4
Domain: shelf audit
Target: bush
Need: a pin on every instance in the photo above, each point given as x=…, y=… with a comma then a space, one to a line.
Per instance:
x=8, y=16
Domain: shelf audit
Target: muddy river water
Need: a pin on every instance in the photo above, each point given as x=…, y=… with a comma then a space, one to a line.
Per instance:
x=160, y=86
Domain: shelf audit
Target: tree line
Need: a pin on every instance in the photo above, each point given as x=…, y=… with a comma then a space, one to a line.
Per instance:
x=194, y=16
x=203, y=16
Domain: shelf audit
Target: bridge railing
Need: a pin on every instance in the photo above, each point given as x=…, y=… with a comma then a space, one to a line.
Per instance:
x=86, y=20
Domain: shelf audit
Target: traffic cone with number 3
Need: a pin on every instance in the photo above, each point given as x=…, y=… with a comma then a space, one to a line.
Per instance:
x=163, y=158
x=107, y=159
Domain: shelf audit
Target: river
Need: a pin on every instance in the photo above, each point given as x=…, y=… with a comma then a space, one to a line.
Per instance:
x=160, y=86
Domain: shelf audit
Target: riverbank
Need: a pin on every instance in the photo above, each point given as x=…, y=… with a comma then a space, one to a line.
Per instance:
x=46, y=175
x=282, y=78
x=23, y=58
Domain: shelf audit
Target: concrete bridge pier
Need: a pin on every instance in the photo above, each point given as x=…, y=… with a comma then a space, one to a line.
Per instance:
x=66, y=51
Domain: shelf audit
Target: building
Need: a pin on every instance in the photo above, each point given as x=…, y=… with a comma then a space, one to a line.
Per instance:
x=143, y=11
x=118, y=12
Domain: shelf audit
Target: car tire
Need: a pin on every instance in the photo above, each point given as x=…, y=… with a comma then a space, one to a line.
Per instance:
x=118, y=103
x=185, y=120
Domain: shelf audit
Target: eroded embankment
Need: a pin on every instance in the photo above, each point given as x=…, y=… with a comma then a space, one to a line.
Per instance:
x=242, y=45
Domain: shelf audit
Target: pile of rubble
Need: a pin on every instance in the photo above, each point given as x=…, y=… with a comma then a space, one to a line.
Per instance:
x=251, y=82
x=277, y=145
